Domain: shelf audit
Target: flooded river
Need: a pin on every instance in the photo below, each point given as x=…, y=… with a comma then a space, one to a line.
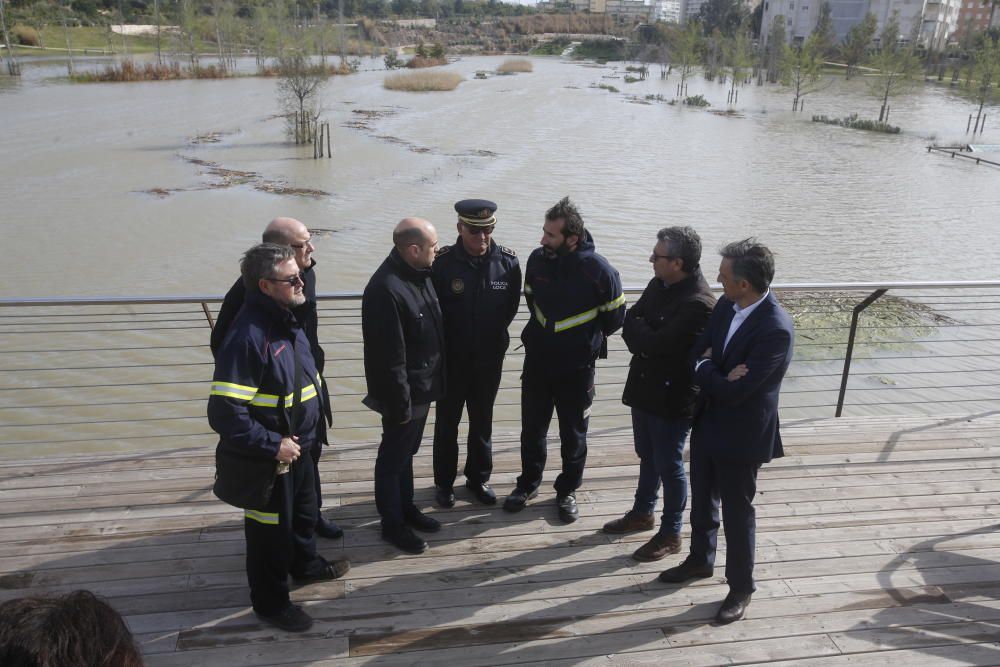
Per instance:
x=79, y=162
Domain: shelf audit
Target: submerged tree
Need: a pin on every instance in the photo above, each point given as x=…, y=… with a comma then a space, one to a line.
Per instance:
x=774, y=50
x=298, y=92
x=802, y=70
x=824, y=32
x=896, y=65
x=986, y=73
x=739, y=59
x=685, y=50
x=858, y=41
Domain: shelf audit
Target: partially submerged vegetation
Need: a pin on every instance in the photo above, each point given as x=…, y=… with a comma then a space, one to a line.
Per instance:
x=855, y=123
x=512, y=65
x=423, y=81
x=129, y=70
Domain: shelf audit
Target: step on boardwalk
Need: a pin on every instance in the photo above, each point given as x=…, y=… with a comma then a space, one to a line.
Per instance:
x=878, y=543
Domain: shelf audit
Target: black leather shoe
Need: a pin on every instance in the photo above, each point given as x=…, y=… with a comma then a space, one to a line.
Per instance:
x=404, y=540
x=329, y=571
x=328, y=529
x=483, y=492
x=445, y=497
x=568, y=511
x=417, y=520
x=290, y=619
x=517, y=499
x=733, y=608
x=689, y=569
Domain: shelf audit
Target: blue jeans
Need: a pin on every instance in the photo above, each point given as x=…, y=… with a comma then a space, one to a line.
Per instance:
x=659, y=442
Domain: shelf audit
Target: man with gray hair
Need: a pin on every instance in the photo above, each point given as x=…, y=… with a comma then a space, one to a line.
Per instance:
x=403, y=336
x=265, y=403
x=292, y=233
x=659, y=331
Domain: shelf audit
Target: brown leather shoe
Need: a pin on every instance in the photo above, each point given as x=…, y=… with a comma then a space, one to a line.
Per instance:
x=658, y=547
x=632, y=522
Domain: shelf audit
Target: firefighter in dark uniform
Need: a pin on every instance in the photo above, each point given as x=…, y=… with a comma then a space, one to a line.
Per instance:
x=404, y=368
x=266, y=402
x=478, y=284
x=575, y=302
x=291, y=232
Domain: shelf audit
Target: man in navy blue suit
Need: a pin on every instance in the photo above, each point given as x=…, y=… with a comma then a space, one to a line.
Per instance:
x=739, y=361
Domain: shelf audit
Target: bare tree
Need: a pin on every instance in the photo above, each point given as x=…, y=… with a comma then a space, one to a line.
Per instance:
x=298, y=91
x=13, y=68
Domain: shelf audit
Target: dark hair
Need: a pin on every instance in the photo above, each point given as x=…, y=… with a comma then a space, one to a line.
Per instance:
x=685, y=243
x=77, y=629
x=259, y=261
x=566, y=211
x=409, y=236
x=752, y=262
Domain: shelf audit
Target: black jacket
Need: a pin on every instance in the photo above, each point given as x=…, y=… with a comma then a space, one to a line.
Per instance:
x=659, y=331
x=403, y=340
x=306, y=315
x=575, y=302
x=250, y=404
x=479, y=297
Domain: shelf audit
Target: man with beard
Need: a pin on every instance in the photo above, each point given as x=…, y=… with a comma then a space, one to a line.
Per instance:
x=265, y=403
x=575, y=301
x=291, y=232
x=404, y=367
x=478, y=284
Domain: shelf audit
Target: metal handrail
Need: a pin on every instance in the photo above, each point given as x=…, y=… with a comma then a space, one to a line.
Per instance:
x=353, y=296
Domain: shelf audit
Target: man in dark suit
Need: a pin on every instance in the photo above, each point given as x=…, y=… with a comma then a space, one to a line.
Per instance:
x=739, y=362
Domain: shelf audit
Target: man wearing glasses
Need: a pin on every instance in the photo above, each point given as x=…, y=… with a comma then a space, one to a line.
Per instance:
x=478, y=284
x=404, y=368
x=291, y=232
x=265, y=403
x=659, y=331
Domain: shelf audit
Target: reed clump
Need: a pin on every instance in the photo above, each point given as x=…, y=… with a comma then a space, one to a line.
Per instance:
x=419, y=62
x=129, y=70
x=311, y=69
x=512, y=65
x=423, y=81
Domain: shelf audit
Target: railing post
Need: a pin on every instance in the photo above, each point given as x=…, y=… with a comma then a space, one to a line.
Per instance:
x=208, y=315
x=874, y=296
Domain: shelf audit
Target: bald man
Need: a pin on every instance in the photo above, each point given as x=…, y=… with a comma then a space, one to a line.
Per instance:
x=403, y=342
x=291, y=232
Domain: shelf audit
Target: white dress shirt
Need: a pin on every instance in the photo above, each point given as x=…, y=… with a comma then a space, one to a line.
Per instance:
x=738, y=319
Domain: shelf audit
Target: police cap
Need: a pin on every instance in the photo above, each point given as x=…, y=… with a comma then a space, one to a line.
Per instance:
x=476, y=212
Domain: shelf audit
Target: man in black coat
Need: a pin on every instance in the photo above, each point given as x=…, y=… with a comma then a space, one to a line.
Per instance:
x=659, y=331
x=739, y=362
x=404, y=367
x=291, y=232
x=478, y=284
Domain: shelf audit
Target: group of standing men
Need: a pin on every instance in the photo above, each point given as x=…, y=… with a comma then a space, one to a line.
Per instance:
x=435, y=324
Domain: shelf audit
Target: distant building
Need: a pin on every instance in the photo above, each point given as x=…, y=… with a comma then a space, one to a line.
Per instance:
x=628, y=9
x=932, y=22
x=669, y=11
x=973, y=17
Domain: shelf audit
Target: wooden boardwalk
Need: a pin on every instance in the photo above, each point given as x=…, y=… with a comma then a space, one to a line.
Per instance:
x=878, y=543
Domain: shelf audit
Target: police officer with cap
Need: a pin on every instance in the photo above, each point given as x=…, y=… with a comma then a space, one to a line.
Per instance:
x=478, y=284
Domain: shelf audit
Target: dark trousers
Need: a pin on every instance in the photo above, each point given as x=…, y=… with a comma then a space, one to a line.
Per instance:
x=474, y=387
x=394, y=467
x=317, y=452
x=280, y=538
x=735, y=486
x=571, y=395
x=659, y=443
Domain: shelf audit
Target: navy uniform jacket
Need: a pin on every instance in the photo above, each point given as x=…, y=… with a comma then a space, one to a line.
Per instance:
x=479, y=297
x=403, y=340
x=659, y=330
x=306, y=314
x=738, y=421
x=250, y=402
x=575, y=302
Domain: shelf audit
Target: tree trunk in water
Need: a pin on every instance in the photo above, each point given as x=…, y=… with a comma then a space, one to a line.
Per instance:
x=69, y=48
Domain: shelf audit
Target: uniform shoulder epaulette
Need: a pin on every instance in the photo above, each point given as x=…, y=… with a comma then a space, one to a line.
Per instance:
x=507, y=251
x=443, y=250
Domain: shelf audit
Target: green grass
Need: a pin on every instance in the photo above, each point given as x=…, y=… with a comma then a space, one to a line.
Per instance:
x=92, y=38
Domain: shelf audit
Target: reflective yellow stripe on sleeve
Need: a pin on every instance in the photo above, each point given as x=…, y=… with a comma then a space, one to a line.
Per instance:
x=265, y=400
x=539, y=316
x=614, y=303
x=576, y=320
x=230, y=390
x=267, y=518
